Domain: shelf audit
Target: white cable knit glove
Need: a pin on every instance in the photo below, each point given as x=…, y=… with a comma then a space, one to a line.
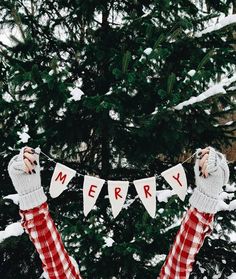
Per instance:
x=206, y=195
x=27, y=185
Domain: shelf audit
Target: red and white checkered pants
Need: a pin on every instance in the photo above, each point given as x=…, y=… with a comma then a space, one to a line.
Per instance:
x=189, y=239
x=42, y=231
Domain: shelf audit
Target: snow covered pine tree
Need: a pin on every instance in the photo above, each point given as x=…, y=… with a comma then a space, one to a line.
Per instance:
x=211, y=173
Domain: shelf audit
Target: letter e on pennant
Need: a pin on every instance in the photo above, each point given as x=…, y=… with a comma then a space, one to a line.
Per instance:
x=91, y=190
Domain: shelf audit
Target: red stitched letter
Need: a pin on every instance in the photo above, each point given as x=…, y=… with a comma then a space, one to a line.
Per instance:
x=91, y=190
x=62, y=178
x=117, y=191
x=177, y=178
x=146, y=190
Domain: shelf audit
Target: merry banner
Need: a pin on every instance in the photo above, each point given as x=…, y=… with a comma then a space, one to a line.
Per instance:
x=117, y=190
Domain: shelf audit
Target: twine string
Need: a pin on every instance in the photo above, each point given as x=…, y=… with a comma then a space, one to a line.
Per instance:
x=80, y=174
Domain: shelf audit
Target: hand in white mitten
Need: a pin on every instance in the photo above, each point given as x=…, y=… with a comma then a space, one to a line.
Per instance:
x=211, y=173
x=24, y=171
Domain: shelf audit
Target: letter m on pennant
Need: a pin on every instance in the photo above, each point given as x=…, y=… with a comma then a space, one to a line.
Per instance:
x=61, y=177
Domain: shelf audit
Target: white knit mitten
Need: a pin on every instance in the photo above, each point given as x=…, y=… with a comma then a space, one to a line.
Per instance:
x=28, y=186
x=206, y=195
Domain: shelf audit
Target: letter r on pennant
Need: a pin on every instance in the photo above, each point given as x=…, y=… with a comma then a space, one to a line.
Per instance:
x=146, y=191
x=61, y=177
x=117, y=193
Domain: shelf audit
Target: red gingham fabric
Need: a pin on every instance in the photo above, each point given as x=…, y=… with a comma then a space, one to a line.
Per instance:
x=189, y=239
x=42, y=231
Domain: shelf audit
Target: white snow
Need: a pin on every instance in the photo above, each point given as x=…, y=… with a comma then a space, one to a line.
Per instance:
x=230, y=187
x=213, y=90
x=109, y=92
x=176, y=223
x=227, y=196
x=128, y=202
x=7, y=97
x=136, y=257
x=164, y=195
x=34, y=86
x=44, y=275
x=156, y=259
x=228, y=20
x=108, y=241
x=114, y=115
x=155, y=111
x=232, y=205
x=232, y=276
x=229, y=123
x=223, y=206
x=191, y=73
x=14, y=229
x=51, y=72
x=76, y=94
x=13, y=197
x=24, y=137
x=148, y=51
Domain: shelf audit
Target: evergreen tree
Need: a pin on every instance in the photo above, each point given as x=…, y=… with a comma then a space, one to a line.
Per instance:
x=135, y=61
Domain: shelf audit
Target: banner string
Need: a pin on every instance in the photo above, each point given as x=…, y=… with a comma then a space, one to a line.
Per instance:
x=80, y=174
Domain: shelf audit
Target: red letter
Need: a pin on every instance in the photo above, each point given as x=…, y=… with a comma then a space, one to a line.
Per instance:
x=62, y=178
x=177, y=178
x=117, y=191
x=91, y=190
x=146, y=190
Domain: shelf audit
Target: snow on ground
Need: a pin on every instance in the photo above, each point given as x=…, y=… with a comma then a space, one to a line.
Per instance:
x=14, y=229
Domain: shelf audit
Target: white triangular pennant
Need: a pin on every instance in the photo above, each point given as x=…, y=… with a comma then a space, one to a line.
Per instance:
x=146, y=189
x=176, y=177
x=91, y=190
x=61, y=177
x=117, y=191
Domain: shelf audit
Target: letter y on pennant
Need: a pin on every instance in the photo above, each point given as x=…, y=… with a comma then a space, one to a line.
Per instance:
x=176, y=177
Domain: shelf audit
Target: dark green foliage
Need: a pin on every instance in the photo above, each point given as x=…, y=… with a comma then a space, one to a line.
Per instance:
x=39, y=69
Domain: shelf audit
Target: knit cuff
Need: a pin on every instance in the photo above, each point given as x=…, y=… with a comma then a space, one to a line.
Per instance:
x=32, y=199
x=203, y=203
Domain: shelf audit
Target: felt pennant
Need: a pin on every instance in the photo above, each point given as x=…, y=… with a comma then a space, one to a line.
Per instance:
x=117, y=191
x=91, y=190
x=176, y=177
x=61, y=177
x=146, y=189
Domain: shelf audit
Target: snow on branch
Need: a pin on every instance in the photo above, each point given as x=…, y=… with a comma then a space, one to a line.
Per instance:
x=14, y=229
x=231, y=206
x=226, y=21
x=13, y=197
x=213, y=90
